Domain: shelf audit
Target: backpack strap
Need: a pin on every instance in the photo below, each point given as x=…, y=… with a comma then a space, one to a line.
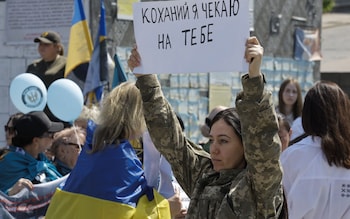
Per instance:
x=297, y=139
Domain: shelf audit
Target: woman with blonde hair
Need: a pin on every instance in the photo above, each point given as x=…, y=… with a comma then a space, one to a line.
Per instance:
x=108, y=180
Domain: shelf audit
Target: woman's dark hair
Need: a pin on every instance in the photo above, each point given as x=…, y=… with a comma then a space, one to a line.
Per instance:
x=21, y=141
x=14, y=118
x=298, y=106
x=230, y=116
x=326, y=114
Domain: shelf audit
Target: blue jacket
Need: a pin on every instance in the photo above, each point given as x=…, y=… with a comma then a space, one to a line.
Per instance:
x=17, y=163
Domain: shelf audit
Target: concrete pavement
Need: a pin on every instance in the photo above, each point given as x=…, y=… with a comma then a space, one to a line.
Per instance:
x=335, y=42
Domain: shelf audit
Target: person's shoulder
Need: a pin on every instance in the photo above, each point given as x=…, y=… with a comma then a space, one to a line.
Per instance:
x=3, y=152
x=305, y=148
x=35, y=63
x=8, y=156
x=62, y=58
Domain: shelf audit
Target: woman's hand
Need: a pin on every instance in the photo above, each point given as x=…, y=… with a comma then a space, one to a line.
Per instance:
x=134, y=60
x=20, y=184
x=253, y=54
x=176, y=205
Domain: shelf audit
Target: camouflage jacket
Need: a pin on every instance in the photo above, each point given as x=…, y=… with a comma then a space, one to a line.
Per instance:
x=253, y=192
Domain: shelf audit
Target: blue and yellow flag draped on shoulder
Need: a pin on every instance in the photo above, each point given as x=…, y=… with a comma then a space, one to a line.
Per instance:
x=80, y=43
x=97, y=76
x=108, y=184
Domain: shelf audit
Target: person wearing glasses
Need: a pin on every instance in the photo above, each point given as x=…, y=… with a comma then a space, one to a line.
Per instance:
x=66, y=147
x=8, y=128
x=24, y=163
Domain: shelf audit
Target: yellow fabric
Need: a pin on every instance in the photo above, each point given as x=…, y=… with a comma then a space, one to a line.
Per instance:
x=67, y=205
x=80, y=46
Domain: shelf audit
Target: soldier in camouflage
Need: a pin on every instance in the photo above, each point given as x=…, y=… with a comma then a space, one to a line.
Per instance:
x=250, y=187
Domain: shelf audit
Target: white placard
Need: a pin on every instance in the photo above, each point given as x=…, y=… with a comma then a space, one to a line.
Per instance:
x=191, y=36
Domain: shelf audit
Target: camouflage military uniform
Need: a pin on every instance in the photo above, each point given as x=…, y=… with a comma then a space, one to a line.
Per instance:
x=253, y=192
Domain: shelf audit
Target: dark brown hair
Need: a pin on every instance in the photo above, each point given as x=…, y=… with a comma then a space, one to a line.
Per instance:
x=230, y=116
x=326, y=114
x=298, y=106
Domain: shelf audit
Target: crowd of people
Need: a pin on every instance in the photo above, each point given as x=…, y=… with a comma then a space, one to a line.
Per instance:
x=259, y=161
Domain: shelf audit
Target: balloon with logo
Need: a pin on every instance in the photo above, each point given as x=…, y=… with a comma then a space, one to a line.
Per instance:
x=65, y=99
x=28, y=93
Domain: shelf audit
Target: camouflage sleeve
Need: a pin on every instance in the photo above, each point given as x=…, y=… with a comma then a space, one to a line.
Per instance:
x=188, y=160
x=260, y=139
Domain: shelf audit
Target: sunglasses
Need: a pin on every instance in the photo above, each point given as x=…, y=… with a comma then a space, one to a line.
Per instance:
x=47, y=135
x=78, y=146
x=9, y=129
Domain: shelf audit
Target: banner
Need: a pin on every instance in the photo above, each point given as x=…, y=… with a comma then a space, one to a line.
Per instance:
x=29, y=204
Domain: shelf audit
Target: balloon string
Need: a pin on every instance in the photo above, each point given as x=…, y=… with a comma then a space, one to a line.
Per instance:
x=77, y=136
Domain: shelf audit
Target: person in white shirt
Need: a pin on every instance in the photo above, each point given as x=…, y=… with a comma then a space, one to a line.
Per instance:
x=316, y=175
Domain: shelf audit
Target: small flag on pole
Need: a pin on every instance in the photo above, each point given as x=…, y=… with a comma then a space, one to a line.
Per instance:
x=119, y=74
x=97, y=75
x=80, y=44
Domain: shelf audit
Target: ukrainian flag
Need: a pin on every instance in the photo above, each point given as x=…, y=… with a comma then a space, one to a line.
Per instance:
x=80, y=44
x=108, y=184
x=97, y=75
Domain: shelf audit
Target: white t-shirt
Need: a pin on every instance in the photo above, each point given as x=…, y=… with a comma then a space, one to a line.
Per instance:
x=297, y=128
x=314, y=190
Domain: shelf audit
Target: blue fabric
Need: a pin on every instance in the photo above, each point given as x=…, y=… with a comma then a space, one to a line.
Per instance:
x=299, y=47
x=78, y=13
x=97, y=75
x=119, y=74
x=114, y=174
x=62, y=168
x=89, y=132
x=18, y=164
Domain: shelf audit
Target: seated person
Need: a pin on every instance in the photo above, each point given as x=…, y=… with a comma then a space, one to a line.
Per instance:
x=9, y=131
x=25, y=164
x=66, y=148
x=87, y=113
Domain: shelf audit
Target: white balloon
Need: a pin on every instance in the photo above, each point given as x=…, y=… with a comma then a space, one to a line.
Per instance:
x=65, y=99
x=28, y=93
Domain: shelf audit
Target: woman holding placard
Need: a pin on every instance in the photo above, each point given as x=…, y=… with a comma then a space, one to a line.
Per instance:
x=242, y=176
